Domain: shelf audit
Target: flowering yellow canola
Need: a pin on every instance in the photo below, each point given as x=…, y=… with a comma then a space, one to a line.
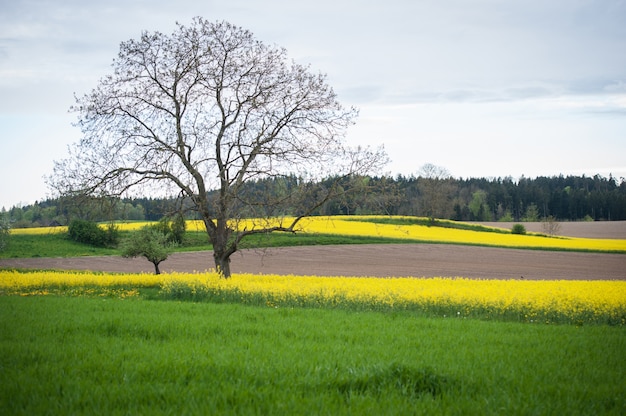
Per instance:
x=532, y=300
x=363, y=226
x=122, y=226
x=606, y=298
x=39, y=230
x=351, y=226
x=13, y=281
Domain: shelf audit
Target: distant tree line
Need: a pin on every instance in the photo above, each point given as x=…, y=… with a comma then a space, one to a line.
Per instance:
x=570, y=198
x=61, y=211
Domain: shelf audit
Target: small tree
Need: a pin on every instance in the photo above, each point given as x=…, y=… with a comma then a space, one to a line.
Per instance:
x=532, y=214
x=478, y=206
x=436, y=189
x=210, y=108
x=150, y=243
x=551, y=226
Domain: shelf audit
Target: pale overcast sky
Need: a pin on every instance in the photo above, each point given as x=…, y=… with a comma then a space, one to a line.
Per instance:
x=484, y=88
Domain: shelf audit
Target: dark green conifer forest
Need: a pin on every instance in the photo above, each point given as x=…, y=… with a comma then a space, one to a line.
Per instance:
x=564, y=198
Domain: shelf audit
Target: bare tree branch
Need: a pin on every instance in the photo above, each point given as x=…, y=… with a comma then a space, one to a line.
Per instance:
x=204, y=111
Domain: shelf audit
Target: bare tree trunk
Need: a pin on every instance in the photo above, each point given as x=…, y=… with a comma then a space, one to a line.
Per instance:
x=219, y=235
x=156, y=268
x=222, y=265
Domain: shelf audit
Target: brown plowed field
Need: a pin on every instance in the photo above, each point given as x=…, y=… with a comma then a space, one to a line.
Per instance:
x=593, y=229
x=388, y=260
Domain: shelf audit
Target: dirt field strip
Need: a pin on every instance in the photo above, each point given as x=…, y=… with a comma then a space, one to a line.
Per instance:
x=380, y=260
x=592, y=229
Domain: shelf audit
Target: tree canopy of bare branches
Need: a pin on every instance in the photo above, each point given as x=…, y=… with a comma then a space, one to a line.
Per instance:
x=436, y=189
x=209, y=108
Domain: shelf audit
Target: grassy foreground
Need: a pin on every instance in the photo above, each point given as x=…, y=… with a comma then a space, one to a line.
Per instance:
x=86, y=355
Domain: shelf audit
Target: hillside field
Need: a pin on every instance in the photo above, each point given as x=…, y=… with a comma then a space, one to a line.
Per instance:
x=545, y=336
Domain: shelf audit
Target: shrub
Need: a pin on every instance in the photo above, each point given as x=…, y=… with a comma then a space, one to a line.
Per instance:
x=506, y=217
x=89, y=232
x=173, y=230
x=518, y=229
x=178, y=227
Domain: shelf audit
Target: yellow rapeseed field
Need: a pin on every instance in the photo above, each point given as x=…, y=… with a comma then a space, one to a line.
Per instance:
x=122, y=226
x=466, y=296
x=366, y=226
x=39, y=230
x=352, y=226
x=13, y=281
x=532, y=301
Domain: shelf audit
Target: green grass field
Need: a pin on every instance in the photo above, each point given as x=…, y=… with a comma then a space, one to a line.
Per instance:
x=89, y=355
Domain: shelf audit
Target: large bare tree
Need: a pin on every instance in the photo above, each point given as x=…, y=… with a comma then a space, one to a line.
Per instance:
x=210, y=108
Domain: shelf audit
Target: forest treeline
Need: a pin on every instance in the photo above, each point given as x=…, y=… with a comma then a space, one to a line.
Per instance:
x=570, y=198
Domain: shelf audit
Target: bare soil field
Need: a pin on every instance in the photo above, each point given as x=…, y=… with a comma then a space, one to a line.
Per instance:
x=381, y=260
x=593, y=229
x=386, y=260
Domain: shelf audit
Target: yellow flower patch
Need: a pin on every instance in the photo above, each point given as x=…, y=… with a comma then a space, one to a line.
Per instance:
x=13, y=281
x=351, y=226
x=39, y=230
x=532, y=301
x=533, y=298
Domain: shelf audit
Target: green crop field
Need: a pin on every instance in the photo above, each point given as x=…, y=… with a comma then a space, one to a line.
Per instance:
x=90, y=355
